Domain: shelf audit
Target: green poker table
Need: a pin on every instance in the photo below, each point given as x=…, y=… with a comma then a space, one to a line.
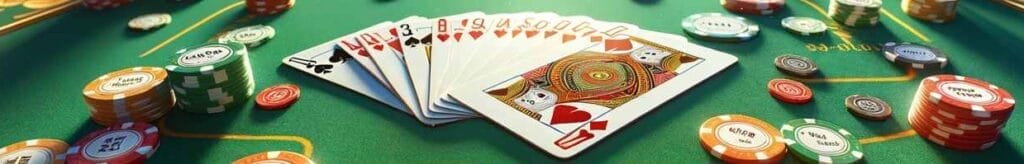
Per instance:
x=45, y=62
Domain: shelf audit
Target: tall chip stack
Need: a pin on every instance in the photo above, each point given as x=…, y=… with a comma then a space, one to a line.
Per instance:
x=855, y=13
x=212, y=77
x=937, y=11
x=754, y=7
x=960, y=113
x=268, y=7
x=138, y=94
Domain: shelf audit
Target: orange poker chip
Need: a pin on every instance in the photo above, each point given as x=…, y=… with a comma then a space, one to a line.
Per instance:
x=278, y=97
x=275, y=157
x=742, y=139
x=790, y=91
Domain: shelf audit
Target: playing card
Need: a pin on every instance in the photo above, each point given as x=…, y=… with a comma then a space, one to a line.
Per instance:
x=334, y=65
x=566, y=105
x=352, y=45
x=415, y=36
x=444, y=44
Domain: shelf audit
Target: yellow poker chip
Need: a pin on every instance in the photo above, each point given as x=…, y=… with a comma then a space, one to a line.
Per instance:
x=275, y=157
x=742, y=139
x=125, y=84
x=35, y=151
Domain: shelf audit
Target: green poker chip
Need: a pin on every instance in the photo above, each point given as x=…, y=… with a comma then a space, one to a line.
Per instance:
x=211, y=77
x=720, y=27
x=817, y=141
x=804, y=26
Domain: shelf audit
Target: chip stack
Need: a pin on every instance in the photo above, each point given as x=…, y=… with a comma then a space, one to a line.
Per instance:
x=138, y=94
x=104, y=4
x=754, y=7
x=855, y=13
x=937, y=11
x=961, y=113
x=268, y=7
x=212, y=77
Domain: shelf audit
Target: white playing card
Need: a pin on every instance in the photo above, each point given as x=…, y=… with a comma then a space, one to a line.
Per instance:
x=415, y=36
x=441, y=54
x=567, y=105
x=326, y=62
x=351, y=44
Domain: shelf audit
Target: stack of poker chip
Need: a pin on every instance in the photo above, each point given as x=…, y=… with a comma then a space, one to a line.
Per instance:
x=755, y=7
x=720, y=27
x=104, y=4
x=742, y=139
x=938, y=11
x=138, y=94
x=855, y=13
x=212, y=77
x=268, y=7
x=129, y=142
x=961, y=113
x=819, y=141
x=915, y=55
x=42, y=151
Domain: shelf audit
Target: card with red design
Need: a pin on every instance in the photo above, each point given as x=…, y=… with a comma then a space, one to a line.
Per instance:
x=567, y=103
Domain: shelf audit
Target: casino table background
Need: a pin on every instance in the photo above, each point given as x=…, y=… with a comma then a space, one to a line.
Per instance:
x=45, y=66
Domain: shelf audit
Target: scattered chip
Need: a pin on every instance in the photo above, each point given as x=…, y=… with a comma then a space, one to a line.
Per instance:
x=868, y=107
x=790, y=91
x=742, y=139
x=37, y=151
x=936, y=11
x=915, y=55
x=130, y=142
x=959, y=112
x=278, y=97
x=855, y=13
x=251, y=36
x=212, y=77
x=149, y=21
x=720, y=27
x=805, y=26
x=818, y=141
x=796, y=65
x=275, y=157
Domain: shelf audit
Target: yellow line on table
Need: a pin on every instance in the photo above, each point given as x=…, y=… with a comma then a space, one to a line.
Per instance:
x=307, y=145
x=906, y=26
x=909, y=75
x=888, y=137
x=192, y=27
x=839, y=32
x=18, y=24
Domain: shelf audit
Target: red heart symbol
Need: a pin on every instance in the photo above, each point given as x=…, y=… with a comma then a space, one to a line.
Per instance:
x=458, y=36
x=500, y=33
x=568, y=114
x=379, y=47
x=476, y=34
x=567, y=38
x=516, y=32
x=530, y=34
x=443, y=37
x=548, y=34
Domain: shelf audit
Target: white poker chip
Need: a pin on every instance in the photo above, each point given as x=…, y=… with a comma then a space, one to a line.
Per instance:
x=720, y=27
x=149, y=21
x=804, y=25
x=251, y=36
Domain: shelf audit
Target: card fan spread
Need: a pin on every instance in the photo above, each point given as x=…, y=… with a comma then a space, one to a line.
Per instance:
x=562, y=83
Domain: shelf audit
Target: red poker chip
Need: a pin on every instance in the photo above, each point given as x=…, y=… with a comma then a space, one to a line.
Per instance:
x=925, y=108
x=755, y=7
x=268, y=7
x=955, y=144
x=278, y=97
x=953, y=132
x=790, y=91
x=968, y=96
x=130, y=142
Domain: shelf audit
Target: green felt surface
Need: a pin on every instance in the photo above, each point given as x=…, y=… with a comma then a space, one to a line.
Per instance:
x=44, y=67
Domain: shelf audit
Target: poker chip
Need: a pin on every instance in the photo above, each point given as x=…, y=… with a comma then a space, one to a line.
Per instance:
x=818, y=141
x=960, y=113
x=138, y=94
x=211, y=77
x=753, y=7
x=720, y=27
x=790, y=91
x=868, y=107
x=742, y=139
x=268, y=7
x=149, y=21
x=275, y=157
x=37, y=151
x=251, y=36
x=796, y=65
x=278, y=97
x=104, y=4
x=855, y=13
x=936, y=11
x=129, y=142
x=805, y=26
x=915, y=55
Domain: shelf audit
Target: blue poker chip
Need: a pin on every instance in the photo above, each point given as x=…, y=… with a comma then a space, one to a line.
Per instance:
x=915, y=55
